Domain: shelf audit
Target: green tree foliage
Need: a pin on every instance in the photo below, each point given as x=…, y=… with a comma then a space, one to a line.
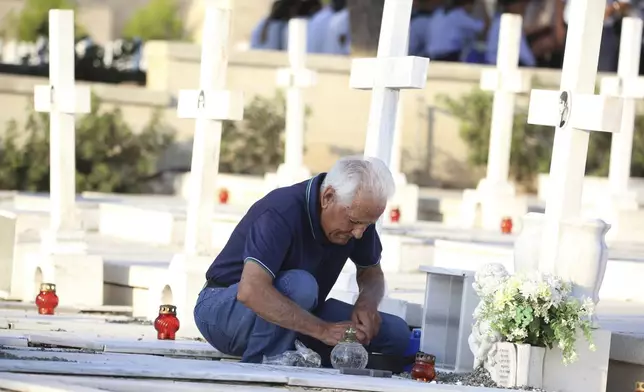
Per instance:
x=110, y=157
x=256, y=144
x=33, y=20
x=158, y=20
x=531, y=144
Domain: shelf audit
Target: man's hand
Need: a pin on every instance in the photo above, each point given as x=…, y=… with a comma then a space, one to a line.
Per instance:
x=333, y=333
x=367, y=321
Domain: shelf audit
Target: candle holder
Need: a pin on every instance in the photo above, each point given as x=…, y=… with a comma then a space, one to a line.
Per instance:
x=167, y=323
x=424, y=369
x=349, y=353
x=506, y=225
x=394, y=215
x=47, y=300
x=223, y=196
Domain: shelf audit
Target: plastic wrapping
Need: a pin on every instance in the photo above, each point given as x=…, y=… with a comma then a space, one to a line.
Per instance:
x=301, y=357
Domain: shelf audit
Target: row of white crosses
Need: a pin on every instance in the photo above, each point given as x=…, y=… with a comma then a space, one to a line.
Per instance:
x=294, y=79
x=391, y=71
x=574, y=111
x=62, y=100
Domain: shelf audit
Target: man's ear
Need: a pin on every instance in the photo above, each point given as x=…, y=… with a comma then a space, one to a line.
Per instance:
x=327, y=198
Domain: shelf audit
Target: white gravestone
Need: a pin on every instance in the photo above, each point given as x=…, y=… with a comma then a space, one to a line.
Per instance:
x=62, y=258
x=391, y=71
x=294, y=79
x=564, y=243
x=62, y=100
x=495, y=194
x=630, y=87
x=209, y=106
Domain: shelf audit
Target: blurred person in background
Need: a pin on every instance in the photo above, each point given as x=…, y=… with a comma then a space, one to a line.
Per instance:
x=517, y=7
x=614, y=12
x=337, y=39
x=271, y=32
x=319, y=25
x=419, y=27
x=454, y=29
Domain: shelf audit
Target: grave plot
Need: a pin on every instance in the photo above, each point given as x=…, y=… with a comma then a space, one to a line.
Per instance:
x=86, y=361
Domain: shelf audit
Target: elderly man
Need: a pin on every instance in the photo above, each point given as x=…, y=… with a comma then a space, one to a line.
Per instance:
x=269, y=285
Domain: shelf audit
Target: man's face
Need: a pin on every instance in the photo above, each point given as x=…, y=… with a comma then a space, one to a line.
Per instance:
x=341, y=223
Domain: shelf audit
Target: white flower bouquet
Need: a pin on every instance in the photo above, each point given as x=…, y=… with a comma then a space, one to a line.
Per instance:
x=535, y=309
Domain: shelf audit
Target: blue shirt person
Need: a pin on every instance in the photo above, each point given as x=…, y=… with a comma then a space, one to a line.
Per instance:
x=453, y=30
x=269, y=285
x=338, y=36
x=526, y=57
x=271, y=33
x=316, y=30
x=419, y=33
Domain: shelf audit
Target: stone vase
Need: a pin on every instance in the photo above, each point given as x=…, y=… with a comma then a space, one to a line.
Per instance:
x=581, y=258
x=530, y=361
x=583, y=255
x=528, y=243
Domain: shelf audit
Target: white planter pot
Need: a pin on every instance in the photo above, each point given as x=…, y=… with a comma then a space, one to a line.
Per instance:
x=530, y=365
x=517, y=365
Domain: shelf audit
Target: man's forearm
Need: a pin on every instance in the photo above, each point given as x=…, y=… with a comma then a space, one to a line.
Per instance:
x=272, y=306
x=371, y=282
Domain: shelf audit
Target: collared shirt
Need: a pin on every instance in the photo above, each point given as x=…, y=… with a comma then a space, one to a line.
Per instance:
x=282, y=231
x=452, y=31
x=316, y=30
x=419, y=34
x=526, y=57
x=276, y=35
x=339, y=26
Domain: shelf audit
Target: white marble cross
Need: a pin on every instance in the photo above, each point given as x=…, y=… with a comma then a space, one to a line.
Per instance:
x=62, y=100
x=573, y=111
x=506, y=80
x=294, y=79
x=629, y=86
x=208, y=105
x=391, y=71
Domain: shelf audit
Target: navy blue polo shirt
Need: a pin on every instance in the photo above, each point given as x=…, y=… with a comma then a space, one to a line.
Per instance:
x=282, y=232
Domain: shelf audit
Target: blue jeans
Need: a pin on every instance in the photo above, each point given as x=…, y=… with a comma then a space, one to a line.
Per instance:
x=234, y=329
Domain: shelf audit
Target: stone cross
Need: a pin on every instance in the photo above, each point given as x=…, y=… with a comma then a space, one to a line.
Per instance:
x=506, y=80
x=391, y=71
x=62, y=100
x=573, y=111
x=294, y=79
x=209, y=106
x=630, y=87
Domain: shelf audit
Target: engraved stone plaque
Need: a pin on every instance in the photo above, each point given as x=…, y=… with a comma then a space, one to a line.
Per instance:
x=504, y=371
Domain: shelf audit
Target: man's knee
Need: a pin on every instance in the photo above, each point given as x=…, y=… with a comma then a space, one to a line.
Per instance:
x=394, y=335
x=299, y=286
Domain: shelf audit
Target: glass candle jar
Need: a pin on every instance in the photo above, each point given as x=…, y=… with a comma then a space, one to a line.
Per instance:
x=424, y=368
x=349, y=353
x=223, y=196
x=47, y=300
x=394, y=215
x=506, y=225
x=167, y=323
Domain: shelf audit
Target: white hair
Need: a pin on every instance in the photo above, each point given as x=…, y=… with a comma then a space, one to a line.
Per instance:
x=351, y=175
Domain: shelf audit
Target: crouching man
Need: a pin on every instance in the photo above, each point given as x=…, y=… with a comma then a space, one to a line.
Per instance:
x=269, y=284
